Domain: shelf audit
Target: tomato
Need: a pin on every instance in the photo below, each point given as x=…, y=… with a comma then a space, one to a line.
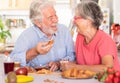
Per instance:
x=110, y=70
x=99, y=75
x=117, y=74
x=22, y=71
x=115, y=80
x=108, y=80
x=110, y=76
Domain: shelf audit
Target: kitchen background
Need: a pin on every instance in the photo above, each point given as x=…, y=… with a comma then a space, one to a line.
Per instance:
x=15, y=15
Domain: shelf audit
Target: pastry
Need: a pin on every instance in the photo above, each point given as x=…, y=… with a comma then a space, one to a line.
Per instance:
x=50, y=42
x=30, y=69
x=43, y=71
x=76, y=73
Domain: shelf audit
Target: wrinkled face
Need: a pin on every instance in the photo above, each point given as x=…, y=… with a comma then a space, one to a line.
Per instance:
x=49, y=20
x=80, y=23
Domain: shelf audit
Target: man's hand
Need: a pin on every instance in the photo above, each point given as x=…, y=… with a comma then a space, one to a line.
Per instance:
x=43, y=47
x=54, y=66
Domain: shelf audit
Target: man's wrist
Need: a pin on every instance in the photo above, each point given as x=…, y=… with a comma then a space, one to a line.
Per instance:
x=36, y=52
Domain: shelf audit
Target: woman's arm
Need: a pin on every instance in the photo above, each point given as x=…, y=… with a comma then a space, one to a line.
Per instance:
x=107, y=61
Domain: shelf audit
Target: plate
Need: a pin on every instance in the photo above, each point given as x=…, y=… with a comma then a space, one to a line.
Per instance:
x=40, y=68
x=77, y=77
x=23, y=79
x=77, y=74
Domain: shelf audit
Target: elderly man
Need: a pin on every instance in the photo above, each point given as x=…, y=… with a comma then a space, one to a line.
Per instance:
x=32, y=46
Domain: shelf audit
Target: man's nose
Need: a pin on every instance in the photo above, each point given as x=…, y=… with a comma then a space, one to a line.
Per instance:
x=55, y=19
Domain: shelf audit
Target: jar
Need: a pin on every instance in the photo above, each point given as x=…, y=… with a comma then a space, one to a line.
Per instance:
x=16, y=65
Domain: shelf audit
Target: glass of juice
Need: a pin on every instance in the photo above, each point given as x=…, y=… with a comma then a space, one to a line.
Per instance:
x=8, y=66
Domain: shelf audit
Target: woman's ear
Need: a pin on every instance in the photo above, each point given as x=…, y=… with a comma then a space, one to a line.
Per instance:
x=38, y=23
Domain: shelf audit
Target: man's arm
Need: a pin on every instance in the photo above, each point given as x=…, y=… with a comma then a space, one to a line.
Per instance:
x=30, y=54
x=40, y=49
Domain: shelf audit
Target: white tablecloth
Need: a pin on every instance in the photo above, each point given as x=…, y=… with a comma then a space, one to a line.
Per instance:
x=39, y=78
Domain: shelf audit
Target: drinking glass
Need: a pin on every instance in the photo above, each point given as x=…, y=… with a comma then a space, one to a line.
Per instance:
x=8, y=66
x=16, y=62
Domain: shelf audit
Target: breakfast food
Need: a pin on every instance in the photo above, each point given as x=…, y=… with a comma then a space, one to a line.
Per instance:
x=43, y=71
x=42, y=67
x=76, y=73
x=50, y=42
x=110, y=75
x=51, y=81
x=48, y=80
x=30, y=69
x=11, y=77
x=22, y=71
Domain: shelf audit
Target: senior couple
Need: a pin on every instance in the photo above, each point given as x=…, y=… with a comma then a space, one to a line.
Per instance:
x=94, y=49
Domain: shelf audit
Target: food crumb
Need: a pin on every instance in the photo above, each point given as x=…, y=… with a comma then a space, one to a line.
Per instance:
x=52, y=81
x=55, y=81
x=48, y=80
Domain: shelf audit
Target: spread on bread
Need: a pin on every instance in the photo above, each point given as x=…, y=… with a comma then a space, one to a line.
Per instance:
x=43, y=71
x=50, y=42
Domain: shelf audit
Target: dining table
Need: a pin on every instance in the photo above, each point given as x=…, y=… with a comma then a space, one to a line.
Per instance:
x=54, y=77
x=57, y=78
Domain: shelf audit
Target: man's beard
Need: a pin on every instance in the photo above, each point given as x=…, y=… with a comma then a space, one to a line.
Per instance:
x=48, y=30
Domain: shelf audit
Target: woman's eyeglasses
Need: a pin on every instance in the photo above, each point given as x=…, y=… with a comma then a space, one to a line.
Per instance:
x=77, y=17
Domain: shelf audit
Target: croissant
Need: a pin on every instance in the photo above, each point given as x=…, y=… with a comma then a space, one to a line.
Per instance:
x=43, y=71
x=76, y=73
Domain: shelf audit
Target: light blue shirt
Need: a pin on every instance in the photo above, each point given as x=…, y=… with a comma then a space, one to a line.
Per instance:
x=63, y=47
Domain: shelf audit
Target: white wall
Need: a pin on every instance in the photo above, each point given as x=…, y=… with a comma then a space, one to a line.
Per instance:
x=64, y=13
x=107, y=4
x=116, y=11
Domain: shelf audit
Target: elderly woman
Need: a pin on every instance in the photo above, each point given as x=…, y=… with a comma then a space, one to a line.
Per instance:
x=95, y=50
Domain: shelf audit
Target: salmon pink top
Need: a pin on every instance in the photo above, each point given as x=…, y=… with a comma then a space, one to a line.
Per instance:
x=92, y=53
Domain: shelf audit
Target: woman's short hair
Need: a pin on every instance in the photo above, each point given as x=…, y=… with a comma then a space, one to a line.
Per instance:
x=36, y=8
x=90, y=10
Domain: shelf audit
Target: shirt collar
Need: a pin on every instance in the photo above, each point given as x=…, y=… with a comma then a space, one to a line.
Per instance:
x=40, y=33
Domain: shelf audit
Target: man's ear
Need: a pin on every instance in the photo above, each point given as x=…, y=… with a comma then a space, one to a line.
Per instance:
x=38, y=23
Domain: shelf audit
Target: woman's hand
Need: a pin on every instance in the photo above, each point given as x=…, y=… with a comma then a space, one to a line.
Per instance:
x=66, y=65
